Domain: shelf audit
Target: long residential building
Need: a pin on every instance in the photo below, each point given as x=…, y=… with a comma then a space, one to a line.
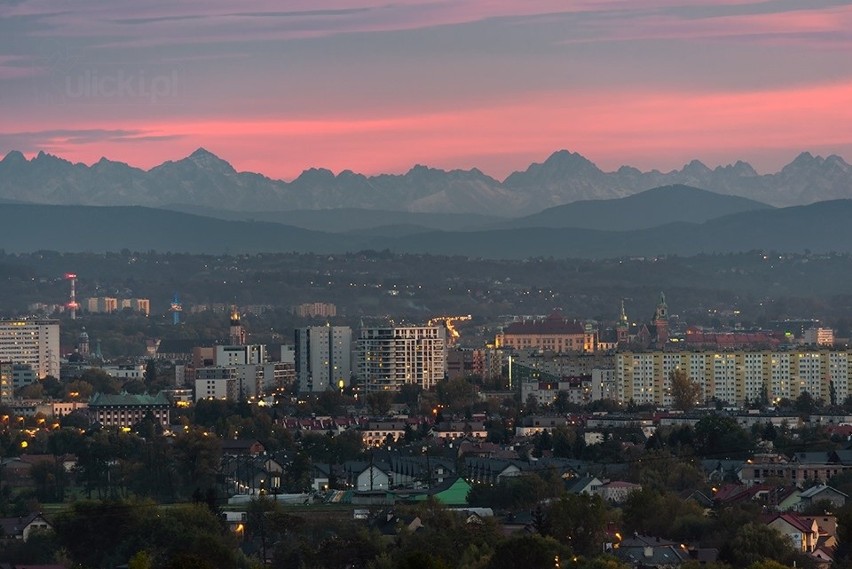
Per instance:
x=392, y=356
x=31, y=342
x=735, y=377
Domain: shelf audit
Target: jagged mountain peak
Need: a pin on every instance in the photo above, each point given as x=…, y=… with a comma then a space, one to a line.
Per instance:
x=739, y=168
x=696, y=167
x=203, y=158
x=315, y=176
x=567, y=159
x=14, y=157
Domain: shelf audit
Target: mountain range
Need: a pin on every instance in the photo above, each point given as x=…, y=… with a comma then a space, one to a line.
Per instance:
x=206, y=181
x=742, y=226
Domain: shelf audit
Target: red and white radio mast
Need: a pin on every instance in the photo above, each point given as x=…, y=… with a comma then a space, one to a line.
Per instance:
x=72, y=302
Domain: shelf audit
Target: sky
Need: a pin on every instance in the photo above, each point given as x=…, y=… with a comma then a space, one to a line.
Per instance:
x=375, y=86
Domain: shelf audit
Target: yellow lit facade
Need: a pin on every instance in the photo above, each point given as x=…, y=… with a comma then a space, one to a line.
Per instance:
x=734, y=377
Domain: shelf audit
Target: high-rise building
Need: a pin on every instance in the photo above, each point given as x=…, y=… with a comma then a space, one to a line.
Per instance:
x=31, y=342
x=323, y=357
x=392, y=356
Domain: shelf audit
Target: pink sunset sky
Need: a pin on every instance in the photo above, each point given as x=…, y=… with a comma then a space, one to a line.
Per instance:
x=377, y=86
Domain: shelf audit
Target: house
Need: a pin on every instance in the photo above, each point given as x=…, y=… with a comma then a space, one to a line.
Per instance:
x=389, y=524
x=242, y=446
x=617, y=491
x=583, y=485
x=646, y=551
x=491, y=470
x=451, y=430
x=364, y=476
x=803, y=533
x=823, y=557
x=821, y=493
x=321, y=476
x=22, y=527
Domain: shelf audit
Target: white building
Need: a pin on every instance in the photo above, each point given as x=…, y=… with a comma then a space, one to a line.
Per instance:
x=390, y=357
x=251, y=354
x=323, y=357
x=126, y=371
x=216, y=383
x=31, y=342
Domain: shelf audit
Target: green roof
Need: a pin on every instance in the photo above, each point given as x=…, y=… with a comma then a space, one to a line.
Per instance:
x=452, y=492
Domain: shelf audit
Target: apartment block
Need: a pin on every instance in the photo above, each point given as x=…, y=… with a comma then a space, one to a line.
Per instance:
x=31, y=342
x=392, y=356
x=734, y=377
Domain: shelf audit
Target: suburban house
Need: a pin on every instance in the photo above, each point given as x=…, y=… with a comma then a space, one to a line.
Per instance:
x=821, y=493
x=802, y=532
x=22, y=527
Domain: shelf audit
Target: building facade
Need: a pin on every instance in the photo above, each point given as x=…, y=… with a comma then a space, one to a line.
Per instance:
x=125, y=410
x=31, y=342
x=315, y=310
x=735, y=377
x=323, y=357
x=553, y=334
x=392, y=356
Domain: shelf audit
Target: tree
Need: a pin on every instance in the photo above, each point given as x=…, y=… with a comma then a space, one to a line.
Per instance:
x=456, y=394
x=721, y=437
x=755, y=543
x=581, y=519
x=685, y=392
x=532, y=551
x=805, y=403
x=379, y=403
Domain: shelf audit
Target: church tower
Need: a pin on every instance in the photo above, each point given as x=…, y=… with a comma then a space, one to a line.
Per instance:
x=238, y=332
x=661, y=321
x=622, y=327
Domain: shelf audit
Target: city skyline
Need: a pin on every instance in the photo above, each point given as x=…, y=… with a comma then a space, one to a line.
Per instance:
x=381, y=87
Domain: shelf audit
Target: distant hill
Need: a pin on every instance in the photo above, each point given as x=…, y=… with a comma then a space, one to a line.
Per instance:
x=98, y=229
x=819, y=227
x=647, y=209
x=205, y=180
x=349, y=219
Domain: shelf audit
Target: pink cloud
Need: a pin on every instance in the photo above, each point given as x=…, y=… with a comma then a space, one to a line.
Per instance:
x=825, y=27
x=645, y=128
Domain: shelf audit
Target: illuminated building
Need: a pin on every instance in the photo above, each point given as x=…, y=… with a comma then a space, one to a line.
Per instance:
x=735, y=377
x=31, y=342
x=554, y=333
x=389, y=357
x=125, y=410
